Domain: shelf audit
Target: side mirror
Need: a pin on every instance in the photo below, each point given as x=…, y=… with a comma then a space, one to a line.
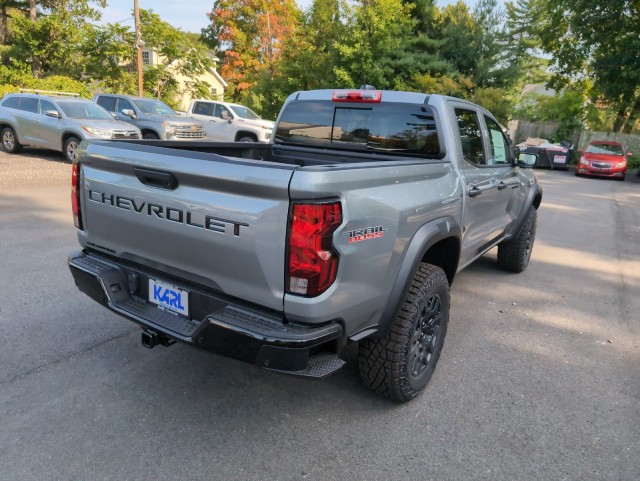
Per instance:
x=527, y=160
x=129, y=113
x=53, y=113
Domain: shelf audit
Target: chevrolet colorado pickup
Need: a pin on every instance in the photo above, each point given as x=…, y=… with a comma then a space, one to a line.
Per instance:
x=348, y=227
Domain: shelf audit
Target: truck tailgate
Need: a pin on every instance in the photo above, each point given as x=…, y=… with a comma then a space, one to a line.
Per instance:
x=216, y=221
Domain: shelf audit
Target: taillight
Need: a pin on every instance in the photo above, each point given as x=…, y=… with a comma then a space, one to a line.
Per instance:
x=313, y=263
x=75, y=195
x=365, y=96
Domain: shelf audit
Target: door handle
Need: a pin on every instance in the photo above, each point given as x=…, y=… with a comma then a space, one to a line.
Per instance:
x=476, y=190
x=503, y=185
x=154, y=178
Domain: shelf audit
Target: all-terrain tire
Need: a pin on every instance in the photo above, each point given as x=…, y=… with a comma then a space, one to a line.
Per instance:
x=400, y=364
x=514, y=254
x=10, y=142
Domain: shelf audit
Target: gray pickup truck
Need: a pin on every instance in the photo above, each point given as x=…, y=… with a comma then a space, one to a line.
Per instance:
x=349, y=227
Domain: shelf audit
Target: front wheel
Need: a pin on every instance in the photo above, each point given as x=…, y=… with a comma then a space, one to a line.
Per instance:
x=150, y=136
x=514, y=254
x=10, y=141
x=71, y=148
x=246, y=138
x=400, y=364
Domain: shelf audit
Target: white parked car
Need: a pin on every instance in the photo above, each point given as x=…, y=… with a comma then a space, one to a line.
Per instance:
x=226, y=122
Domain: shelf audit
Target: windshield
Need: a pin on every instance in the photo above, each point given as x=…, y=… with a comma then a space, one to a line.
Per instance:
x=83, y=110
x=611, y=149
x=405, y=129
x=244, y=112
x=152, y=106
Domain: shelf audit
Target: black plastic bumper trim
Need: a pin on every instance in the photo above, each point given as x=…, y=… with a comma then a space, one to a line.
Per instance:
x=239, y=332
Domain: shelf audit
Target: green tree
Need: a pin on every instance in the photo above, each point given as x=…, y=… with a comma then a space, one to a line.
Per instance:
x=181, y=54
x=109, y=52
x=50, y=41
x=375, y=29
x=598, y=40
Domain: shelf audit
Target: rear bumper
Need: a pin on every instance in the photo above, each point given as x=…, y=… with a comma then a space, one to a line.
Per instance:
x=216, y=323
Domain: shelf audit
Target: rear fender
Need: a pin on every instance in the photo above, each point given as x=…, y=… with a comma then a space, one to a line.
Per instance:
x=445, y=230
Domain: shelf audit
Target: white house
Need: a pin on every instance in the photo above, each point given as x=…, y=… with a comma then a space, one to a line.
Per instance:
x=152, y=57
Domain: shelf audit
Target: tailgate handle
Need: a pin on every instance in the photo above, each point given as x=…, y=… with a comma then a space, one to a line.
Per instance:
x=154, y=178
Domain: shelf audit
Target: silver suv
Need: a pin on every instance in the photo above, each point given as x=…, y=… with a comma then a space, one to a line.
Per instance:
x=57, y=121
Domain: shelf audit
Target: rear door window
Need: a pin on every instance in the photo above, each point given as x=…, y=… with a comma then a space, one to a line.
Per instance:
x=470, y=136
x=203, y=108
x=107, y=103
x=28, y=104
x=406, y=129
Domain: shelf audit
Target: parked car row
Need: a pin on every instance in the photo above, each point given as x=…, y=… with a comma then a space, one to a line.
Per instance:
x=60, y=121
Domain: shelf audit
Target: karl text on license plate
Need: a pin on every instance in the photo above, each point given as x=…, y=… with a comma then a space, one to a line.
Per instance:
x=169, y=296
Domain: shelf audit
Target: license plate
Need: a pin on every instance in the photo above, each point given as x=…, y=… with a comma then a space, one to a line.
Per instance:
x=559, y=159
x=169, y=297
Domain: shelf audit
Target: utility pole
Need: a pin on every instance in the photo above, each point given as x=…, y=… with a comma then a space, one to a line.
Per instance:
x=33, y=16
x=136, y=11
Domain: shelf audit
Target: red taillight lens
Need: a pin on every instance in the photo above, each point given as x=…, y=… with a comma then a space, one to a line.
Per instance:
x=313, y=263
x=75, y=195
x=365, y=96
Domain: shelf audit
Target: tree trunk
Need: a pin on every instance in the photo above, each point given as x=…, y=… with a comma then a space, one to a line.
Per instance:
x=621, y=118
x=627, y=128
x=33, y=16
x=4, y=30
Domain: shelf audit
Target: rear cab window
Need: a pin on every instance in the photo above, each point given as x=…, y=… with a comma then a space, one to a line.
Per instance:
x=392, y=128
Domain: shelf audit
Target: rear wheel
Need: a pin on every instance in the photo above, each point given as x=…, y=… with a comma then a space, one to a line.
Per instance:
x=71, y=148
x=514, y=254
x=400, y=364
x=10, y=141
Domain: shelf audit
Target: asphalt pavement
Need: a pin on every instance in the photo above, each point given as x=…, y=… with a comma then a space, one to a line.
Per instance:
x=539, y=378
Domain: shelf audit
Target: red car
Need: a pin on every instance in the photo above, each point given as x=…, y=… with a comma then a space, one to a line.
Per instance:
x=603, y=158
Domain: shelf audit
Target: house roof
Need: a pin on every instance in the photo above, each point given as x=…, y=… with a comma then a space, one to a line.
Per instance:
x=538, y=89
